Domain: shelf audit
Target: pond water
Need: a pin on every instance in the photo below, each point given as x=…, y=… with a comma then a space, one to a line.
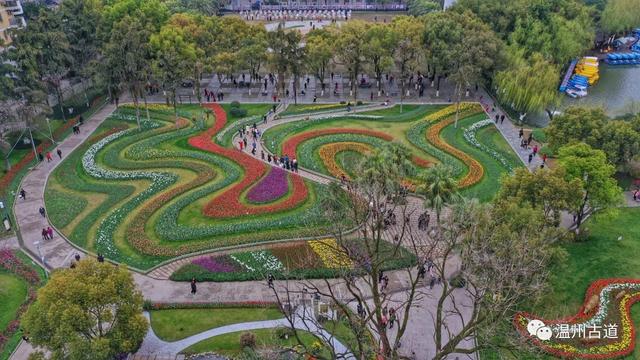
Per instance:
x=618, y=91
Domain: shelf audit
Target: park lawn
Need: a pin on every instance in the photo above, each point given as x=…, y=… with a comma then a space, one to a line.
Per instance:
x=13, y=292
x=176, y=324
x=395, y=110
x=600, y=256
x=486, y=189
x=229, y=344
x=252, y=110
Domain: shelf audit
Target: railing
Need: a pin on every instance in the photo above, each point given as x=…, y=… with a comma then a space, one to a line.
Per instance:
x=357, y=7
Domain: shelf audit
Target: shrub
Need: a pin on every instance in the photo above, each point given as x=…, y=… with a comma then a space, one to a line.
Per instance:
x=235, y=104
x=238, y=112
x=284, y=332
x=458, y=281
x=248, y=340
x=359, y=102
x=539, y=135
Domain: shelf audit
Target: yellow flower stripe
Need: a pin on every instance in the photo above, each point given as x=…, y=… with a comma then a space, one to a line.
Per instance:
x=328, y=154
x=451, y=109
x=152, y=107
x=476, y=171
x=330, y=253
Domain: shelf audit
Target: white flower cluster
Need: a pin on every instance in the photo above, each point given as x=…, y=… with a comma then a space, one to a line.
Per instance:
x=268, y=261
x=470, y=136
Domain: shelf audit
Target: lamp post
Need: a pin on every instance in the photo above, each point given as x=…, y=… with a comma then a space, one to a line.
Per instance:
x=50, y=132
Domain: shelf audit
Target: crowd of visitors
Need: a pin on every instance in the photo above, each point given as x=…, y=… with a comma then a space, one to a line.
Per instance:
x=301, y=15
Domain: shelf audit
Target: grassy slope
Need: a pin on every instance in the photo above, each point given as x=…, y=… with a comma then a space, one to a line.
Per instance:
x=176, y=324
x=600, y=256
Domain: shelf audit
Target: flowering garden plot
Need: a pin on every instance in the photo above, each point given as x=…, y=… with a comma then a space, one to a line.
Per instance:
x=470, y=137
x=308, y=260
x=602, y=328
x=271, y=187
x=329, y=152
x=159, y=194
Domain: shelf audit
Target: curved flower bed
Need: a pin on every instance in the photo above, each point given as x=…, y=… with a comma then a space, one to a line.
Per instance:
x=476, y=171
x=228, y=203
x=469, y=135
x=328, y=155
x=290, y=146
x=271, y=187
x=607, y=302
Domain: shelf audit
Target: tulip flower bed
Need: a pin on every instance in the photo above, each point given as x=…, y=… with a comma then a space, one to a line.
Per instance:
x=300, y=260
x=162, y=191
x=271, y=187
x=602, y=329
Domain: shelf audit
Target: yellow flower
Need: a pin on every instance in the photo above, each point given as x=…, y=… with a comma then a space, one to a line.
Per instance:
x=331, y=254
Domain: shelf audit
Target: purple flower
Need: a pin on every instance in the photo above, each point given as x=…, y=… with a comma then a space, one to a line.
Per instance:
x=271, y=187
x=216, y=264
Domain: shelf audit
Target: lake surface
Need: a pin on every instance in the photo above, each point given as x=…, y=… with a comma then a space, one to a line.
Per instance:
x=618, y=92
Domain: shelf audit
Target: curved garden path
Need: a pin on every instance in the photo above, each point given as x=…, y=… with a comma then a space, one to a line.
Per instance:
x=151, y=340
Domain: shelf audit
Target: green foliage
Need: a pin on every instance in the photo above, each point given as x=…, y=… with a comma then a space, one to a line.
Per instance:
x=619, y=139
x=70, y=315
x=620, y=15
x=439, y=187
x=594, y=174
x=248, y=340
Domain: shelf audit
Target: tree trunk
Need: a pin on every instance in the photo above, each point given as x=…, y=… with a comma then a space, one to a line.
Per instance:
x=60, y=104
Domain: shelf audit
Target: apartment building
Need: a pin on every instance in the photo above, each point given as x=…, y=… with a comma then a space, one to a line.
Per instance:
x=11, y=17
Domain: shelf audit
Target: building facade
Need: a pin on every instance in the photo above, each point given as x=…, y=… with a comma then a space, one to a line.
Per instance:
x=11, y=17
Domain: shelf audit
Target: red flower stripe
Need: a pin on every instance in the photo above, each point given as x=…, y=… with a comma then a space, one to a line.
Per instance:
x=291, y=145
x=228, y=203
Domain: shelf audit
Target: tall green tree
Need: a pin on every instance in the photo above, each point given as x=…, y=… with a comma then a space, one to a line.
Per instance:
x=286, y=57
x=173, y=58
x=620, y=15
x=90, y=312
x=439, y=188
x=320, y=52
x=253, y=52
x=594, y=174
x=351, y=50
x=548, y=190
x=127, y=55
x=380, y=44
x=576, y=124
x=407, y=51
x=528, y=85
x=80, y=18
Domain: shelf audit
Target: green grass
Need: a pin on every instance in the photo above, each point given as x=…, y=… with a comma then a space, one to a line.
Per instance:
x=229, y=344
x=394, y=110
x=176, y=324
x=63, y=207
x=13, y=292
x=600, y=256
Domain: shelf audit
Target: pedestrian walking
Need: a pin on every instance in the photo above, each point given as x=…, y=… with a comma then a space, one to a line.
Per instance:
x=521, y=133
x=100, y=258
x=530, y=157
x=42, y=211
x=501, y=118
x=50, y=232
x=59, y=153
x=497, y=117
x=44, y=234
x=535, y=149
x=270, y=280
x=194, y=288
x=23, y=194
x=40, y=157
x=49, y=158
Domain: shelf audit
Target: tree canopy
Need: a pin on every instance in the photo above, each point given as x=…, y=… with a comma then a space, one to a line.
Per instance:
x=92, y=311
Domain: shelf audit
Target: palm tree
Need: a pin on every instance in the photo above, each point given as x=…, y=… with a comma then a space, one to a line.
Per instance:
x=439, y=187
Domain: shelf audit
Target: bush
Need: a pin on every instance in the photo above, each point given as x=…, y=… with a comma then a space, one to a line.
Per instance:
x=359, y=102
x=284, y=332
x=545, y=150
x=235, y=104
x=238, y=112
x=539, y=135
x=248, y=340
